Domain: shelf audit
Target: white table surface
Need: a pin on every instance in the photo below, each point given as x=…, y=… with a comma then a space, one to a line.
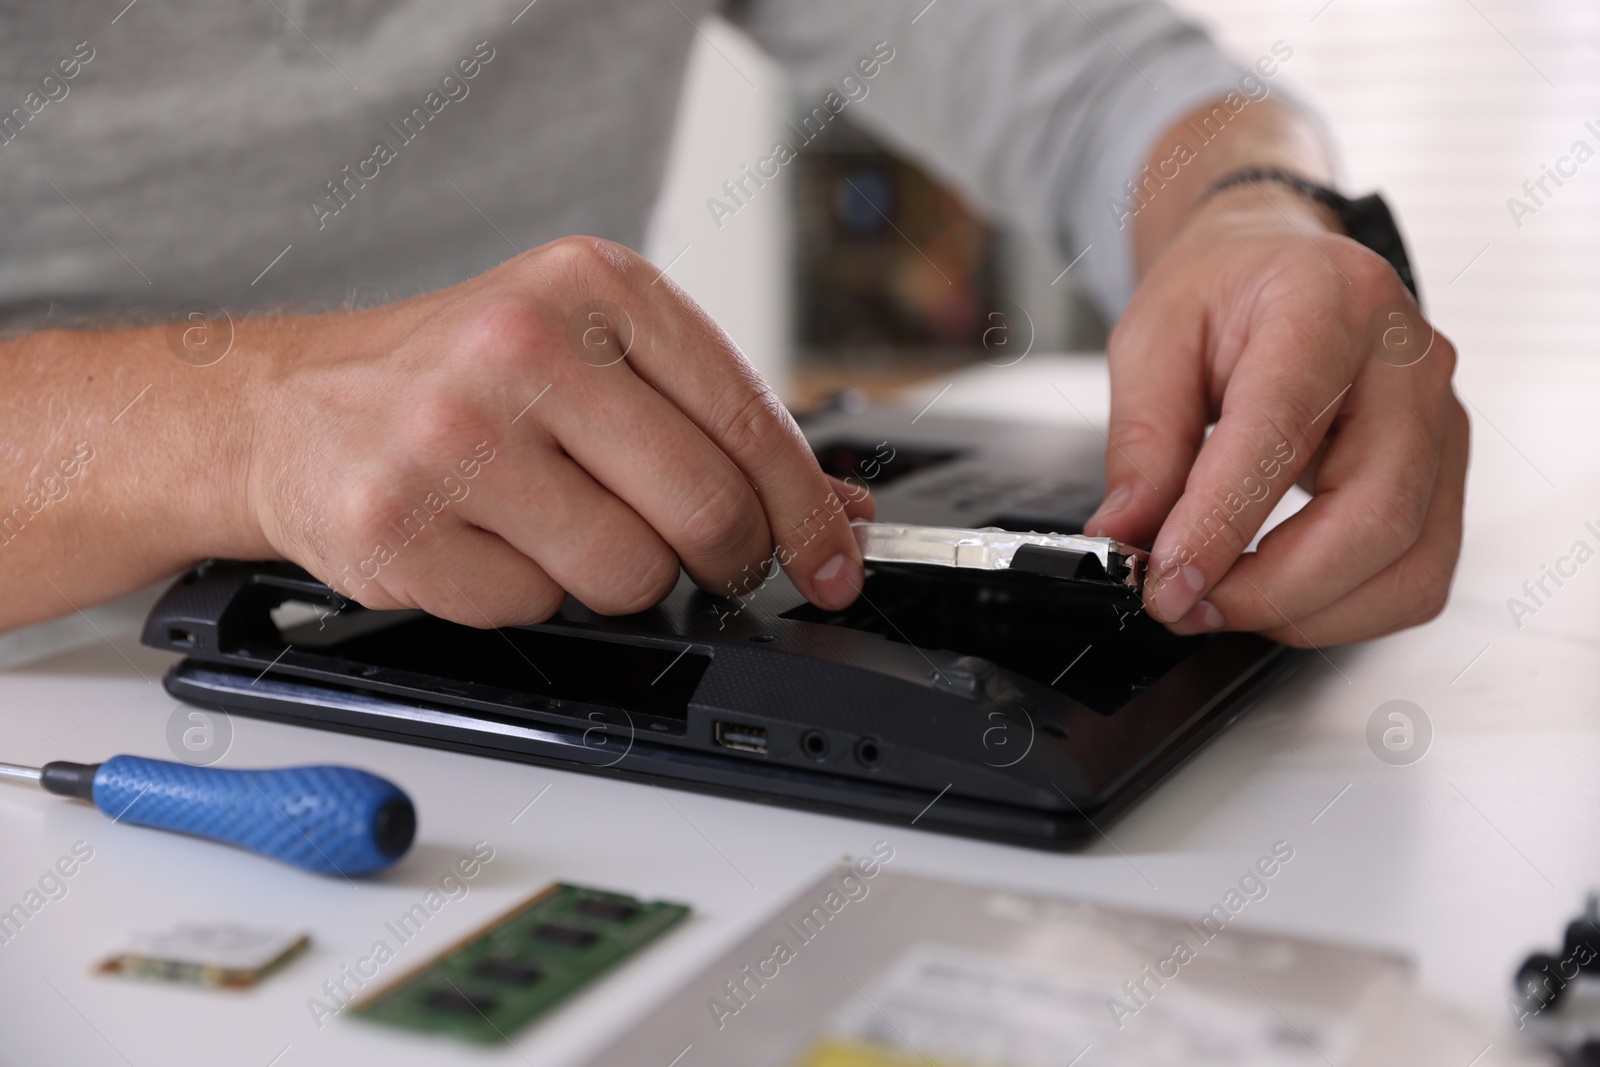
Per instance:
x=1463, y=861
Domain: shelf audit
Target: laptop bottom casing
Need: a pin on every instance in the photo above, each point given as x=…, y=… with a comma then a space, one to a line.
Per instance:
x=1007, y=707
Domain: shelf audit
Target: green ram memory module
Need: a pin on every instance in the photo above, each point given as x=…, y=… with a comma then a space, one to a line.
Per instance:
x=521, y=965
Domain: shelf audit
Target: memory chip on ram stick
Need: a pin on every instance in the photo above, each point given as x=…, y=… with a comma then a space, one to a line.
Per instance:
x=521, y=965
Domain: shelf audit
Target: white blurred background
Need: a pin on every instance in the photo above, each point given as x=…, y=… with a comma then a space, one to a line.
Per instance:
x=1448, y=106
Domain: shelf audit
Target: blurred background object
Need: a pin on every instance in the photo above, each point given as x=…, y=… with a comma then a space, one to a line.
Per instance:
x=1448, y=106
x=885, y=258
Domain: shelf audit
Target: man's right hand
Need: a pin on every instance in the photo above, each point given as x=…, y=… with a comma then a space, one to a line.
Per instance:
x=569, y=422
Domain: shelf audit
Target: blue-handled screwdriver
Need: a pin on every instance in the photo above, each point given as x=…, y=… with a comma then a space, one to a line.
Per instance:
x=332, y=820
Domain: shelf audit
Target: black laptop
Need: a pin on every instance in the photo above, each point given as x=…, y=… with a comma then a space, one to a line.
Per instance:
x=1006, y=706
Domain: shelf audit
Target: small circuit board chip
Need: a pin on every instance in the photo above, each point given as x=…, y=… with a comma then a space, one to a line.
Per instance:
x=223, y=955
x=523, y=964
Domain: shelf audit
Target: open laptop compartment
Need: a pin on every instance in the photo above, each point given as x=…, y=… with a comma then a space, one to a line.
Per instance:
x=1033, y=707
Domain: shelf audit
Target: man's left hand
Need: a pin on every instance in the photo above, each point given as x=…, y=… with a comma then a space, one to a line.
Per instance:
x=1317, y=368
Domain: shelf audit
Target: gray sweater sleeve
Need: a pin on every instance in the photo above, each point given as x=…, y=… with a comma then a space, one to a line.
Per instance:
x=1038, y=110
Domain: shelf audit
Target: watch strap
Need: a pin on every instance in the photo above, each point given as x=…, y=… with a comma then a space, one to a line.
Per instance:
x=1367, y=220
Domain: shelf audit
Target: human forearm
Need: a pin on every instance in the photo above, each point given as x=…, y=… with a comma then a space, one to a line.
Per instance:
x=119, y=464
x=1198, y=150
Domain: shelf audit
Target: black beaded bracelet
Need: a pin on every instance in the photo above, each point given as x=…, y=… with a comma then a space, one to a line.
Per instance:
x=1311, y=190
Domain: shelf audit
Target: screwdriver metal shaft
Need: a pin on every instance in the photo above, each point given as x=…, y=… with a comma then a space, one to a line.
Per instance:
x=19, y=773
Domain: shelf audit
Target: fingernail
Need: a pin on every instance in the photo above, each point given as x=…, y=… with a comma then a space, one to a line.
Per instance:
x=1203, y=618
x=837, y=582
x=1175, y=596
x=1115, y=501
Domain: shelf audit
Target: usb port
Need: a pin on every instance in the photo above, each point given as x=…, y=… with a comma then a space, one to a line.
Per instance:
x=741, y=738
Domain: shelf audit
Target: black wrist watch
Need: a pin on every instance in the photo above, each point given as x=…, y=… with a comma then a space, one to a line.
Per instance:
x=1367, y=219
